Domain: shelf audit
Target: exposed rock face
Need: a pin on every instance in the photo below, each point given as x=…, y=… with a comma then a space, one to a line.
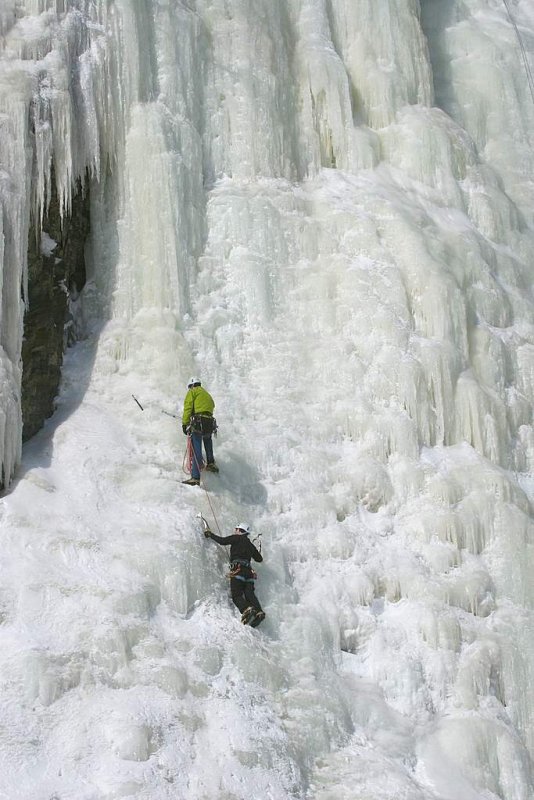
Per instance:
x=56, y=267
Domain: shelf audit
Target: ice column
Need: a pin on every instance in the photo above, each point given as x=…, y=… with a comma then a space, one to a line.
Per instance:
x=65, y=99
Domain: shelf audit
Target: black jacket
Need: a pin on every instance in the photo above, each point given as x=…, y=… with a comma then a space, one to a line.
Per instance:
x=240, y=546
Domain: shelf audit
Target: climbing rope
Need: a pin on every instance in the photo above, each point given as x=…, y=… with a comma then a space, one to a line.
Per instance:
x=211, y=507
x=528, y=70
x=190, y=450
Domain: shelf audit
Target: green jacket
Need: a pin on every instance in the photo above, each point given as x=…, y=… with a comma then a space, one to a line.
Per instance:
x=197, y=401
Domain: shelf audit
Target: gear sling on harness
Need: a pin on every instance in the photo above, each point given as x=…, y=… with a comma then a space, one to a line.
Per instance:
x=239, y=566
x=204, y=424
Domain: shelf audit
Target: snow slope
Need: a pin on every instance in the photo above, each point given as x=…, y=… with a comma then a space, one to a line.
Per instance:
x=325, y=209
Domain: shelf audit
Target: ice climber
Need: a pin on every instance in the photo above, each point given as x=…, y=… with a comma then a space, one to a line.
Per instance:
x=241, y=575
x=199, y=423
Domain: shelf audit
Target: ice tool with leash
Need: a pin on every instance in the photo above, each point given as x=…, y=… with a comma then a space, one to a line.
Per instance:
x=167, y=413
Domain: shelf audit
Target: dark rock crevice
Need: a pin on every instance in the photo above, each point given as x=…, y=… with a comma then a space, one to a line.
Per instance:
x=56, y=270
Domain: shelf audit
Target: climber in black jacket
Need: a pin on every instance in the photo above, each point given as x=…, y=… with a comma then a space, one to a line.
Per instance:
x=241, y=575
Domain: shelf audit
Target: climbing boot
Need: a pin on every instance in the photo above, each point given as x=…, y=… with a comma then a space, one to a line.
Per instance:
x=212, y=467
x=191, y=482
x=247, y=615
x=259, y=617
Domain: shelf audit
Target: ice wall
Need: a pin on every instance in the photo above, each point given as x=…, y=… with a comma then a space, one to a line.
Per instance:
x=325, y=208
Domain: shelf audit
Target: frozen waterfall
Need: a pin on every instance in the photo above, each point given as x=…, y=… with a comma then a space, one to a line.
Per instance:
x=325, y=208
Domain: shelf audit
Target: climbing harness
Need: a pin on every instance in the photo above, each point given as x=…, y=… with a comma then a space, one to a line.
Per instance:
x=528, y=70
x=238, y=566
x=205, y=424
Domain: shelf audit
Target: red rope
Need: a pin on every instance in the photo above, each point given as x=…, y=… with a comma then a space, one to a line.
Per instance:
x=200, y=466
x=187, y=462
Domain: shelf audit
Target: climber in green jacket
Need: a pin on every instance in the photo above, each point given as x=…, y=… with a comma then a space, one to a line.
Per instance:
x=199, y=423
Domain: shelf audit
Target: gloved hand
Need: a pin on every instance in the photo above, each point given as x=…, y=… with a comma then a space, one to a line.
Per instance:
x=207, y=533
x=184, y=429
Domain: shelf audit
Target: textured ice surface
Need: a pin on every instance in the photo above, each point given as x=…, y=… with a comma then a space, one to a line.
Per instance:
x=325, y=210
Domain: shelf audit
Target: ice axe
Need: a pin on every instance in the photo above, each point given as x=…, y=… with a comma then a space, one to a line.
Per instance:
x=168, y=413
x=204, y=523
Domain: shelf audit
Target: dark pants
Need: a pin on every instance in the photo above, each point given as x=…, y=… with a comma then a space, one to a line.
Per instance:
x=196, y=441
x=243, y=594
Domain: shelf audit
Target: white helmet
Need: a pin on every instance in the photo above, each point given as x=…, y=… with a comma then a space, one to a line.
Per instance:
x=243, y=527
x=193, y=382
